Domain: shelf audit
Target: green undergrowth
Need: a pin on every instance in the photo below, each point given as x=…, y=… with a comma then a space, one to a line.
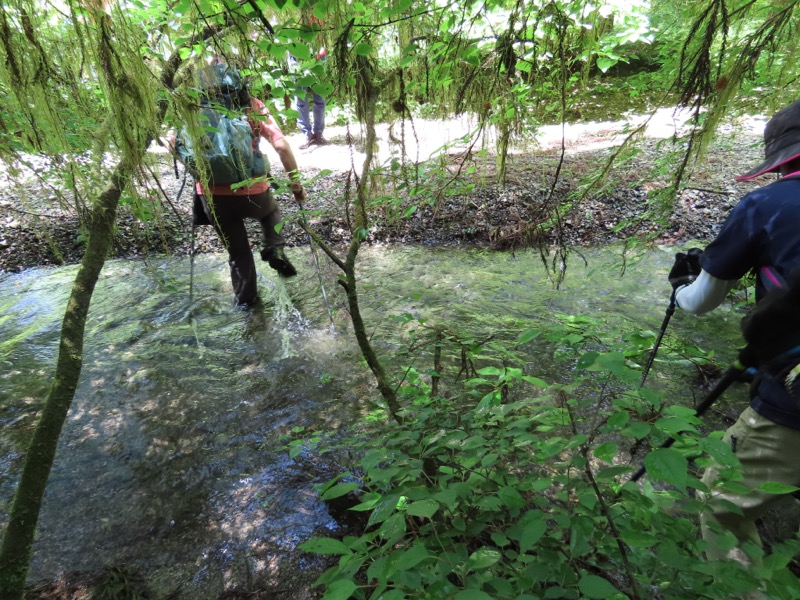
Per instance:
x=512, y=487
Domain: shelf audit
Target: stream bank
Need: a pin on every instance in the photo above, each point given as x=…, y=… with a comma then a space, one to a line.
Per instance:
x=39, y=224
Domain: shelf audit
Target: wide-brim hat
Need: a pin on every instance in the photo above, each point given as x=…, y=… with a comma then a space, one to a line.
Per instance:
x=781, y=142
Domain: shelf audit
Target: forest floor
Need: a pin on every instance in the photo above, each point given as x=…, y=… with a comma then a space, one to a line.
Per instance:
x=39, y=224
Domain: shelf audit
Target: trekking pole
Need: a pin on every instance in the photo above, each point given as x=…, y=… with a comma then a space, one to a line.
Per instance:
x=651, y=358
x=191, y=267
x=733, y=374
x=316, y=264
x=194, y=227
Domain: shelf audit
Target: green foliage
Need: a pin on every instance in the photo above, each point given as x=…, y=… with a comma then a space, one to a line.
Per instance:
x=519, y=491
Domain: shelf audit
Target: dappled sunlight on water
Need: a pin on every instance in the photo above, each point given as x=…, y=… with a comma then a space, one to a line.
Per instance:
x=174, y=455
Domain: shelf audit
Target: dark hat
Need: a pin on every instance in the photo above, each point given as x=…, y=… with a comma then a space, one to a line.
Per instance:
x=781, y=142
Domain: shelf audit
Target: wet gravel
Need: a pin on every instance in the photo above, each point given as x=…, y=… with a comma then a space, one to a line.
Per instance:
x=39, y=226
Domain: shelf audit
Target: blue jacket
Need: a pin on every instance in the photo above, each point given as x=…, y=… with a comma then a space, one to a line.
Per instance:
x=763, y=230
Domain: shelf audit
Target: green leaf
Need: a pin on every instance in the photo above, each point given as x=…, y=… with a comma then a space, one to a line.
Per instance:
x=500, y=539
x=363, y=49
x=586, y=359
x=409, y=211
x=639, y=539
x=489, y=371
x=666, y=464
x=447, y=497
x=511, y=497
x=614, y=363
x=483, y=558
x=531, y=534
x=340, y=489
x=323, y=88
x=424, y=508
x=472, y=594
x=775, y=487
x=393, y=529
x=637, y=430
x=320, y=10
x=619, y=419
x=370, y=500
x=384, y=509
x=535, y=381
x=593, y=586
x=489, y=459
x=676, y=425
x=300, y=51
x=611, y=473
x=528, y=335
x=325, y=546
x=405, y=560
x=604, y=63
x=391, y=595
x=606, y=451
x=340, y=590
x=578, y=542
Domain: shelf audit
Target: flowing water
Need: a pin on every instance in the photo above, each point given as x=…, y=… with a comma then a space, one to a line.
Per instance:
x=172, y=458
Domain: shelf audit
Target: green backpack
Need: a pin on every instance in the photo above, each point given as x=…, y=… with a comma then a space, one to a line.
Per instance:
x=227, y=151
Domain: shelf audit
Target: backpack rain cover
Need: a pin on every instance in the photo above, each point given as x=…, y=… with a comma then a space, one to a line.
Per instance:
x=226, y=151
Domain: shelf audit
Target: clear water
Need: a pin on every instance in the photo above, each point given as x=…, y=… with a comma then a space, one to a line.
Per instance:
x=171, y=458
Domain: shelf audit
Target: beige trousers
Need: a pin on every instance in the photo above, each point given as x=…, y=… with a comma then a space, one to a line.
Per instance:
x=767, y=452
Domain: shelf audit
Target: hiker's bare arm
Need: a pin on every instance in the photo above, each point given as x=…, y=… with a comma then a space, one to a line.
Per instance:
x=289, y=163
x=271, y=131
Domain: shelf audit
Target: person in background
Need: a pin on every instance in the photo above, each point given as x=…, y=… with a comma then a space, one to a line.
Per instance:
x=227, y=208
x=761, y=235
x=311, y=129
x=311, y=122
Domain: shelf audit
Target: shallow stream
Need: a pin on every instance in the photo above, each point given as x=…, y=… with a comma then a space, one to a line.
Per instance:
x=172, y=459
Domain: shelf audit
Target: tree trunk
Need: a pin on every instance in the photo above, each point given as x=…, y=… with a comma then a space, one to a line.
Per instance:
x=368, y=99
x=18, y=539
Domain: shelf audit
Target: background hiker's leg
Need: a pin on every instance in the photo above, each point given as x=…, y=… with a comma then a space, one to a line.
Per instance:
x=318, y=109
x=304, y=118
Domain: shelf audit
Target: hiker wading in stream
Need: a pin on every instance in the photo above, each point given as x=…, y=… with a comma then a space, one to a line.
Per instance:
x=226, y=206
x=761, y=235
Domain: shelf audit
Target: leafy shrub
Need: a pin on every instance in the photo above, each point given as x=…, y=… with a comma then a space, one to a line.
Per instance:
x=523, y=493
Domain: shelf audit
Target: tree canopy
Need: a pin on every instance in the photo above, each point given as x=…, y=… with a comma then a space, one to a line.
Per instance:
x=86, y=83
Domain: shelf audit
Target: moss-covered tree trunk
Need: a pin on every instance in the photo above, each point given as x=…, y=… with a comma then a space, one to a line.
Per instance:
x=18, y=539
x=367, y=97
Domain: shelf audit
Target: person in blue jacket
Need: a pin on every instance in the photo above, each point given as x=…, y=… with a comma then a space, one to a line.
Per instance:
x=761, y=236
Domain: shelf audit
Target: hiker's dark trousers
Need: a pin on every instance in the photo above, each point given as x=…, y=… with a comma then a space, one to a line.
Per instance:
x=227, y=214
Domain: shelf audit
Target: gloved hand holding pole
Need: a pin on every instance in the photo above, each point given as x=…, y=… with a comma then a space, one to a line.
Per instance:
x=683, y=272
x=686, y=268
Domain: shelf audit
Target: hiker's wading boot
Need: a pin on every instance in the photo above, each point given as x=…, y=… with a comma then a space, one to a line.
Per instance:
x=314, y=139
x=308, y=143
x=276, y=258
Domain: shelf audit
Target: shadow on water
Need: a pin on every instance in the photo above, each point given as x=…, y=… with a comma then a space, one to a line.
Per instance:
x=172, y=458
